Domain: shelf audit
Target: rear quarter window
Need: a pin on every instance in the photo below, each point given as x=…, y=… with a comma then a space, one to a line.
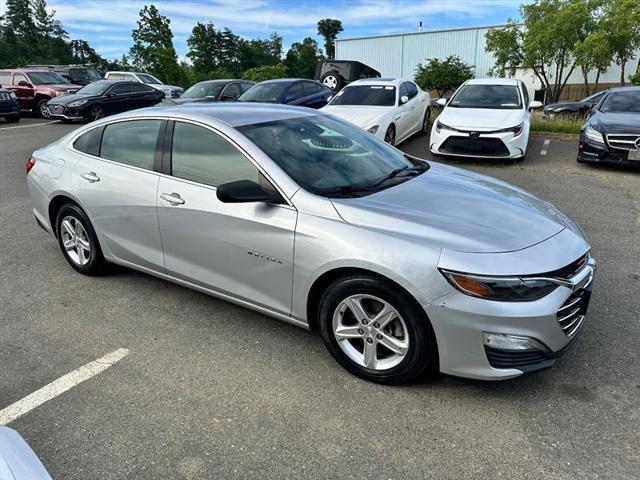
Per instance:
x=89, y=142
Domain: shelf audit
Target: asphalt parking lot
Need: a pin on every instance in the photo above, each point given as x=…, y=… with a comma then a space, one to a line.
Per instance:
x=211, y=390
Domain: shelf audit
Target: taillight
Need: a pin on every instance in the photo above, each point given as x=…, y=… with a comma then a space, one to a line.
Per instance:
x=30, y=163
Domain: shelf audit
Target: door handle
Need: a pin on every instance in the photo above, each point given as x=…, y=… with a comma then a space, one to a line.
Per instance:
x=90, y=177
x=172, y=198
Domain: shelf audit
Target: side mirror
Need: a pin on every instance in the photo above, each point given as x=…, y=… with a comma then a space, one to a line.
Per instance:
x=246, y=191
x=535, y=104
x=442, y=102
x=24, y=83
x=210, y=97
x=404, y=99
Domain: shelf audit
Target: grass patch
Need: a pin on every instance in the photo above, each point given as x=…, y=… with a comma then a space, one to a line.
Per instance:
x=572, y=124
x=540, y=123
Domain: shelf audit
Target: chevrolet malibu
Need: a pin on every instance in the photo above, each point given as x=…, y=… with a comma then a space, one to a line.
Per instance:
x=406, y=267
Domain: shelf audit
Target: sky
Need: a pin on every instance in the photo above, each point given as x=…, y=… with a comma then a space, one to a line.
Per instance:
x=107, y=24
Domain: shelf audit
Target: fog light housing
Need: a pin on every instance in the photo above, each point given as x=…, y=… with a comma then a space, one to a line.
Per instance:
x=503, y=341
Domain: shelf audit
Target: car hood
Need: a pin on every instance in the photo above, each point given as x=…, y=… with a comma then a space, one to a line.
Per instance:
x=457, y=210
x=181, y=101
x=362, y=116
x=616, y=122
x=563, y=105
x=480, y=119
x=67, y=99
x=63, y=87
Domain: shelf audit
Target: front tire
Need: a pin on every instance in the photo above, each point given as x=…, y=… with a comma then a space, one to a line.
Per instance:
x=390, y=135
x=78, y=241
x=376, y=331
x=96, y=113
x=43, y=111
x=425, y=122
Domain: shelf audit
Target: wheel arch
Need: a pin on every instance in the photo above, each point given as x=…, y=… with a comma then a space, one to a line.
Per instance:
x=55, y=204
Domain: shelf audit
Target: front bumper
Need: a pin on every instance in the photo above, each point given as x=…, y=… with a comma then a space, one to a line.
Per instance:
x=485, y=145
x=593, y=152
x=553, y=322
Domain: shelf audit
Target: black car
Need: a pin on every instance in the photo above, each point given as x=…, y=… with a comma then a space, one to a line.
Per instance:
x=104, y=97
x=215, y=91
x=612, y=131
x=579, y=108
x=335, y=74
x=292, y=91
x=9, y=108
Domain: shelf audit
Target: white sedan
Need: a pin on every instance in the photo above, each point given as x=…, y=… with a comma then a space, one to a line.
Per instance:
x=486, y=118
x=391, y=109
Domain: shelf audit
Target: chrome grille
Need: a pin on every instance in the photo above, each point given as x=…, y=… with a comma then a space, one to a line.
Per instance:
x=5, y=96
x=572, y=312
x=623, y=141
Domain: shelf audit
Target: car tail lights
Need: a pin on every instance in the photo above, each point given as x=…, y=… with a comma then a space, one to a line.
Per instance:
x=30, y=164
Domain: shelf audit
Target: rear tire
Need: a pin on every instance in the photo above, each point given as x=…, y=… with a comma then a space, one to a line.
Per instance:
x=361, y=316
x=78, y=240
x=96, y=113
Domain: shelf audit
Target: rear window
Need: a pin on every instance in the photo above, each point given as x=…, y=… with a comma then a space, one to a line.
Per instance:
x=376, y=95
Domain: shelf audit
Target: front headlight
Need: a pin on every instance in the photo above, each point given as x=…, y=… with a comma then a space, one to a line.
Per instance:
x=501, y=289
x=373, y=130
x=593, y=135
x=77, y=103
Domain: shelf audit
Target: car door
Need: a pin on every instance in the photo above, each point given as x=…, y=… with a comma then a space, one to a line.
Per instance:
x=409, y=111
x=242, y=250
x=119, y=99
x=147, y=96
x=417, y=107
x=314, y=95
x=116, y=181
x=25, y=93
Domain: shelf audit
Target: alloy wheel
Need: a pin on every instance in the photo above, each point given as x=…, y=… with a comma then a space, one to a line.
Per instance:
x=44, y=111
x=330, y=81
x=75, y=240
x=96, y=113
x=370, y=332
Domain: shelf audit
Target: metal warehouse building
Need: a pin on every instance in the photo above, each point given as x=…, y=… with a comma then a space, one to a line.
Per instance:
x=398, y=55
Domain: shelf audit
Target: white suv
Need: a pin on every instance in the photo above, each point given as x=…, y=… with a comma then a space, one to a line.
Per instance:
x=170, y=91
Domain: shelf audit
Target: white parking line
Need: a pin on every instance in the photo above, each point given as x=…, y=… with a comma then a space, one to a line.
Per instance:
x=61, y=385
x=545, y=146
x=30, y=125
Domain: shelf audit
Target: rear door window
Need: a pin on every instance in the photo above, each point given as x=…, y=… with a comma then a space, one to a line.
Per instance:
x=89, y=142
x=295, y=91
x=131, y=143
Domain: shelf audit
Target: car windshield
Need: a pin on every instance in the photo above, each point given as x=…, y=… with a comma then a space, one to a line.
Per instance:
x=330, y=157
x=622, y=102
x=84, y=74
x=45, y=78
x=594, y=98
x=376, y=95
x=265, y=92
x=149, y=79
x=202, y=90
x=502, y=97
x=95, y=88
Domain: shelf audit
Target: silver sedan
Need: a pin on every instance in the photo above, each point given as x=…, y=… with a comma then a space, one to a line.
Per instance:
x=405, y=266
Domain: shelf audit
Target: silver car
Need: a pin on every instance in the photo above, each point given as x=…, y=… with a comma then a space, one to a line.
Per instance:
x=404, y=266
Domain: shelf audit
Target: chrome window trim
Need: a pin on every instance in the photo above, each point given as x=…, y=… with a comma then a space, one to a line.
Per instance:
x=177, y=119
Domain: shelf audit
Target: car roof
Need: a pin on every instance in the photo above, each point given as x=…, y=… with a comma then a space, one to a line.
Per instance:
x=396, y=82
x=493, y=81
x=233, y=114
x=625, y=89
x=26, y=70
x=288, y=80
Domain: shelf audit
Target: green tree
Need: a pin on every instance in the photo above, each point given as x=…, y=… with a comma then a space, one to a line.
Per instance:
x=302, y=57
x=329, y=29
x=635, y=78
x=19, y=34
x=265, y=72
x=621, y=21
x=593, y=53
x=203, y=49
x=545, y=44
x=443, y=76
x=258, y=52
x=152, y=49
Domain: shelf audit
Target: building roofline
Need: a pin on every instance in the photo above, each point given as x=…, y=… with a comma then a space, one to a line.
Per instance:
x=426, y=32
